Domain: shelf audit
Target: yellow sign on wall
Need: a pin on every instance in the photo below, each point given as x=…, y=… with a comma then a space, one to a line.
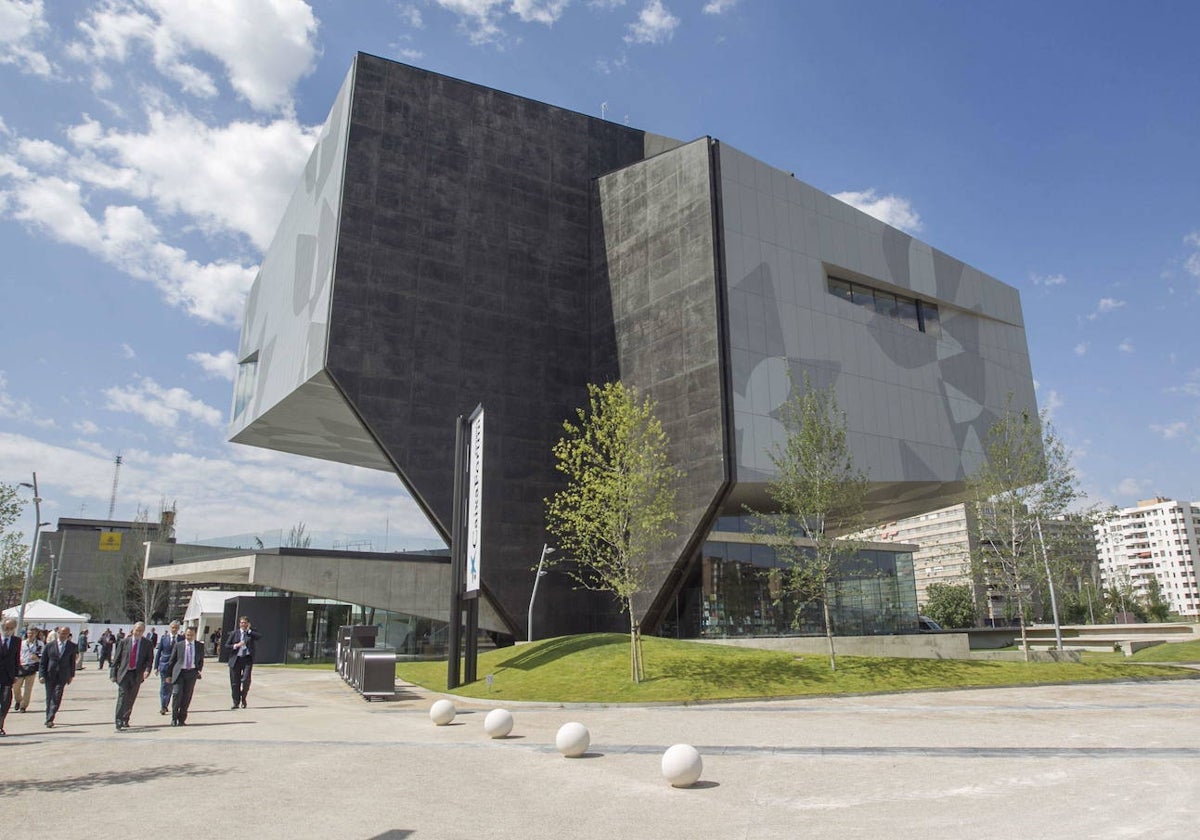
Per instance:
x=110, y=541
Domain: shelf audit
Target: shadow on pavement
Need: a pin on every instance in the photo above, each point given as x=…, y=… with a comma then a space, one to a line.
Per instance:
x=71, y=784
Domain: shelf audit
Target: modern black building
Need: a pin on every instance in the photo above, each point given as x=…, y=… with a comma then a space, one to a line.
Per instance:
x=452, y=245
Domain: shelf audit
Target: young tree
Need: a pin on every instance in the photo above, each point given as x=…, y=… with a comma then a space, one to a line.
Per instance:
x=1026, y=479
x=296, y=538
x=144, y=599
x=951, y=605
x=619, y=503
x=14, y=554
x=819, y=496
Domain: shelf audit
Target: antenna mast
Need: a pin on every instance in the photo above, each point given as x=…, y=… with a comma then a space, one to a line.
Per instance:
x=112, y=501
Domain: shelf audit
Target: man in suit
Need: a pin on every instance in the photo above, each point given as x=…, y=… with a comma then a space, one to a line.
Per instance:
x=56, y=671
x=10, y=664
x=162, y=655
x=183, y=669
x=132, y=663
x=240, y=645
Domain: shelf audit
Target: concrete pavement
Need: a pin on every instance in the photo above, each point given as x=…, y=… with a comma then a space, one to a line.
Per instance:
x=310, y=758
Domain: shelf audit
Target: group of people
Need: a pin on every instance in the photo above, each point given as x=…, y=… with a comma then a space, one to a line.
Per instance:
x=177, y=658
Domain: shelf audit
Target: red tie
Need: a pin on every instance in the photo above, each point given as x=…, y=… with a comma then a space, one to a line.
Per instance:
x=133, y=655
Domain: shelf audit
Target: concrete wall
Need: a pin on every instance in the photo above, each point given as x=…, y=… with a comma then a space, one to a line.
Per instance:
x=657, y=323
x=920, y=646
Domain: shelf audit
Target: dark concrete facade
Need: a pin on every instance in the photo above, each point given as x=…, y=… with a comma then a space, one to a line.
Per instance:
x=453, y=245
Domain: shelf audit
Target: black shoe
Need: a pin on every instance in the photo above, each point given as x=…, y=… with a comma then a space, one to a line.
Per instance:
x=174, y=723
x=21, y=709
x=163, y=710
x=2, y=733
x=234, y=707
x=49, y=724
x=243, y=704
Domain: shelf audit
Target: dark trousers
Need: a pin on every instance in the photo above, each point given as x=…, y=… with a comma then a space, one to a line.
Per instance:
x=54, y=693
x=164, y=690
x=240, y=668
x=127, y=692
x=105, y=655
x=181, y=694
x=6, y=695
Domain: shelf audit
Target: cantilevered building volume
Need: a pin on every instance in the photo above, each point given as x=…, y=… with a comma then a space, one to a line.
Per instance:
x=451, y=245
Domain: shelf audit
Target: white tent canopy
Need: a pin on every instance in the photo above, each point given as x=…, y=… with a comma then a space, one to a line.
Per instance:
x=207, y=608
x=43, y=612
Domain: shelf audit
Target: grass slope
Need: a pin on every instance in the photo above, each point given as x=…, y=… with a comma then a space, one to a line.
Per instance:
x=595, y=669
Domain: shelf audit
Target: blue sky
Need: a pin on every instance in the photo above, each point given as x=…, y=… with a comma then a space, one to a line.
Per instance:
x=147, y=149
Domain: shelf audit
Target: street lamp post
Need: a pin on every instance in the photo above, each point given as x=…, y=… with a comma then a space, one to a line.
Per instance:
x=546, y=549
x=29, y=566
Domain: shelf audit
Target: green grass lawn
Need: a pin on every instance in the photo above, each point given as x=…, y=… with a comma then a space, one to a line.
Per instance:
x=1171, y=652
x=595, y=668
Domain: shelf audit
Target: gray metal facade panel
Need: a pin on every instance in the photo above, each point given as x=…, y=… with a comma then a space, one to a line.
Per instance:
x=918, y=405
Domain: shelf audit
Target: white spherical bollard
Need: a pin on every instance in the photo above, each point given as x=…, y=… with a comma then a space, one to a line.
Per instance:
x=681, y=765
x=572, y=739
x=498, y=723
x=442, y=712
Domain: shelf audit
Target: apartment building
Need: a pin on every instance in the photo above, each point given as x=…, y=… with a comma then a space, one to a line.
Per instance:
x=1158, y=539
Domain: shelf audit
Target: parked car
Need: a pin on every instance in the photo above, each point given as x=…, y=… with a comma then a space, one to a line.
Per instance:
x=927, y=625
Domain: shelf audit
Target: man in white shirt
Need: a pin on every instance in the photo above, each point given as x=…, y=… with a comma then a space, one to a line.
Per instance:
x=183, y=669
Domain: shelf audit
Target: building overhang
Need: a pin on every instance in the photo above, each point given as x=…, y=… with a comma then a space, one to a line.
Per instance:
x=405, y=583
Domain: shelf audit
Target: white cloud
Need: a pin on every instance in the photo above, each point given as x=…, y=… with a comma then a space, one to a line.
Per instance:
x=1169, y=431
x=719, y=7
x=1052, y=403
x=539, y=11
x=127, y=352
x=1050, y=280
x=654, y=25
x=1132, y=486
x=223, y=365
x=409, y=54
x=18, y=409
x=125, y=238
x=22, y=22
x=1126, y=346
x=85, y=427
x=162, y=407
x=1081, y=348
x=411, y=16
x=1190, y=388
x=233, y=491
x=237, y=177
x=264, y=46
x=480, y=19
x=889, y=209
x=1105, y=306
x=1191, y=263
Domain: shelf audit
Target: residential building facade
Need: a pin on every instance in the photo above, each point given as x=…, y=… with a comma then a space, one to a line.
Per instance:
x=1156, y=540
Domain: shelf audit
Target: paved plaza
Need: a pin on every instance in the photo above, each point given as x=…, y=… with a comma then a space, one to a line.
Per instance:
x=310, y=758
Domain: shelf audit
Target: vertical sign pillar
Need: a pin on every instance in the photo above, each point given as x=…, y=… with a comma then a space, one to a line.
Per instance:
x=454, y=626
x=465, y=549
x=473, y=570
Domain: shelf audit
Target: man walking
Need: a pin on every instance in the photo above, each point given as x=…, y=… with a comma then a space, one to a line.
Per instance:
x=240, y=645
x=10, y=664
x=162, y=655
x=134, y=659
x=184, y=667
x=83, y=649
x=107, y=640
x=56, y=671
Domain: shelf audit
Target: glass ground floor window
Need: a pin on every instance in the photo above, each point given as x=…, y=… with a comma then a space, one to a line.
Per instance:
x=738, y=589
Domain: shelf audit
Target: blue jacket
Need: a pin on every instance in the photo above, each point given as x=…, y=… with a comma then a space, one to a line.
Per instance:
x=162, y=652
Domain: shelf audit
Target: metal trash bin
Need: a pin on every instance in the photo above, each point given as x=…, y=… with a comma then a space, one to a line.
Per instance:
x=377, y=677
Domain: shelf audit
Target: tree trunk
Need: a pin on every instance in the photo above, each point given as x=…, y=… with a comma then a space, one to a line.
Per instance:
x=635, y=653
x=829, y=635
